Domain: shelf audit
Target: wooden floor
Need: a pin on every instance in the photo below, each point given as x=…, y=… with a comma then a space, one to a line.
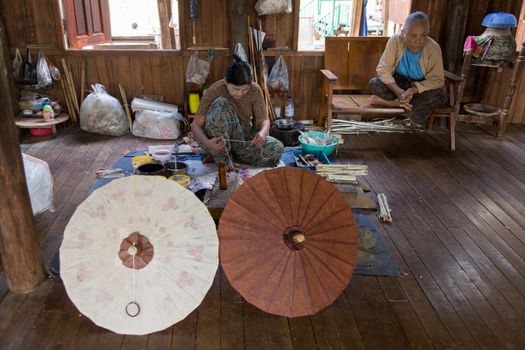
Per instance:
x=458, y=233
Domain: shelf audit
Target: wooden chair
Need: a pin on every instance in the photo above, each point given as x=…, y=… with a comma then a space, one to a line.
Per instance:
x=355, y=60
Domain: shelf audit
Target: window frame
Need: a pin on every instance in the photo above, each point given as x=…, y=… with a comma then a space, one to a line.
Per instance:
x=168, y=42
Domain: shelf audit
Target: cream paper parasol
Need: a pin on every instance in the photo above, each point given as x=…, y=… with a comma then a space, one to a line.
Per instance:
x=139, y=255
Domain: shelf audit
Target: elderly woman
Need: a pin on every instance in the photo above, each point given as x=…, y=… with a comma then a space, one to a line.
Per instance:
x=232, y=120
x=410, y=72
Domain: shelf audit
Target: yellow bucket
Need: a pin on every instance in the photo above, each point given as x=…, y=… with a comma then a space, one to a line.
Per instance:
x=183, y=180
x=139, y=160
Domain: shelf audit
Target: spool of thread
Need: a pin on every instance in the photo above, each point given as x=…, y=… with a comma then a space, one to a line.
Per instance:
x=223, y=181
x=194, y=100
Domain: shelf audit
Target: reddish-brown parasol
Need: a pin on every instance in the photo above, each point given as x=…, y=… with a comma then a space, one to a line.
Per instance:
x=288, y=242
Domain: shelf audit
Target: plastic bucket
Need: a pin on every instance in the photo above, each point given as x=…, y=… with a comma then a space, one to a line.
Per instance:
x=40, y=131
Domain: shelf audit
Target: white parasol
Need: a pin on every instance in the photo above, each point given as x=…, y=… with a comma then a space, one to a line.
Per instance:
x=139, y=254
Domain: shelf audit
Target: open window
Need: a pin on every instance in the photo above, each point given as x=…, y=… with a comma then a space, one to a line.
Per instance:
x=121, y=24
x=326, y=18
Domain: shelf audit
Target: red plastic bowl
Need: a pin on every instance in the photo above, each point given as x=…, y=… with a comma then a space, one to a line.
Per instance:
x=40, y=131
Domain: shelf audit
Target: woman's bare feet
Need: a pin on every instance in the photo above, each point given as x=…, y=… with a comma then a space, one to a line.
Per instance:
x=378, y=101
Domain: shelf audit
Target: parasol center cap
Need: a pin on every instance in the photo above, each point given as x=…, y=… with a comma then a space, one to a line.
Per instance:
x=132, y=250
x=136, y=251
x=294, y=237
x=298, y=238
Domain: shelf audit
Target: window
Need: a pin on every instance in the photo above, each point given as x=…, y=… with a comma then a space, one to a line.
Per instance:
x=321, y=18
x=122, y=24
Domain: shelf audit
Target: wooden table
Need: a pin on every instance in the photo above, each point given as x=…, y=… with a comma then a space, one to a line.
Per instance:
x=39, y=122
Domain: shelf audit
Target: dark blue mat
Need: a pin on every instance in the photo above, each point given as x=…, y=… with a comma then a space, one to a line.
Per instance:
x=375, y=260
x=374, y=257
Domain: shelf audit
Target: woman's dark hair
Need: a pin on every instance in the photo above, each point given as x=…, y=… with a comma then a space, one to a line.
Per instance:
x=238, y=72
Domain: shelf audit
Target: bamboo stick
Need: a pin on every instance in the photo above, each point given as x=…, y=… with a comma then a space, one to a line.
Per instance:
x=67, y=100
x=82, y=81
x=126, y=108
x=251, y=49
x=384, y=209
x=70, y=85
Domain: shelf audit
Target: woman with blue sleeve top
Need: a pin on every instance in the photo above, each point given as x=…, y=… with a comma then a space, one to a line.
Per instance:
x=410, y=72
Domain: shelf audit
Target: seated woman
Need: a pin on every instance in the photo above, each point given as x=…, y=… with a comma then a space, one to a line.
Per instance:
x=410, y=72
x=232, y=120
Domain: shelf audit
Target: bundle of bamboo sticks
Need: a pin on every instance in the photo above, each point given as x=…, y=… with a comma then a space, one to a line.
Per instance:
x=342, y=173
x=257, y=62
x=70, y=95
x=352, y=127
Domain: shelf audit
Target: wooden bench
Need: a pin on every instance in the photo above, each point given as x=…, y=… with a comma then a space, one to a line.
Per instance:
x=350, y=63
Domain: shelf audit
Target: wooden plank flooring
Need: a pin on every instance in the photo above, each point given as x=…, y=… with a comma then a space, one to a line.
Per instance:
x=458, y=233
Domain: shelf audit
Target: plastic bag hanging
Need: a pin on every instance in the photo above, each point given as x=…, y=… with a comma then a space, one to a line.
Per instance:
x=197, y=70
x=17, y=63
x=278, y=79
x=273, y=7
x=27, y=71
x=55, y=73
x=42, y=71
x=239, y=51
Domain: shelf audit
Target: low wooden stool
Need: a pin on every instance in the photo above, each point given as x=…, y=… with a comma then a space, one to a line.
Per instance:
x=37, y=122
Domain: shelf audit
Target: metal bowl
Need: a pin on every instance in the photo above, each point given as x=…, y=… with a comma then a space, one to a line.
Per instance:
x=284, y=124
x=176, y=169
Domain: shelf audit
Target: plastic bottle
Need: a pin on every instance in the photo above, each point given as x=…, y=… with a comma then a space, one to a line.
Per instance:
x=48, y=113
x=289, y=109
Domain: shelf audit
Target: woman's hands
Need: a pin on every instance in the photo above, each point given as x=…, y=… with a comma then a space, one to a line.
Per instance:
x=216, y=144
x=406, y=97
x=259, y=139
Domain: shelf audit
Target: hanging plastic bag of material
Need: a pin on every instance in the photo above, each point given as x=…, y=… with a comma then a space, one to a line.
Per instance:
x=273, y=7
x=197, y=70
x=278, y=79
x=43, y=74
x=102, y=113
x=17, y=64
x=27, y=71
x=157, y=124
x=239, y=51
x=55, y=73
x=39, y=183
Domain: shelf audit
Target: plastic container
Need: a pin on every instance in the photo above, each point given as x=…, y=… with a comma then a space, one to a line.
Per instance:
x=327, y=149
x=289, y=109
x=194, y=100
x=48, y=113
x=181, y=179
x=40, y=131
x=150, y=169
x=139, y=160
x=499, y=20
x=317, y=154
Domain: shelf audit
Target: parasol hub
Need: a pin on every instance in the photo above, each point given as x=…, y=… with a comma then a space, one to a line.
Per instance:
x=294, y=237
x=132, y=250
x=136, y=251
x=299, y=238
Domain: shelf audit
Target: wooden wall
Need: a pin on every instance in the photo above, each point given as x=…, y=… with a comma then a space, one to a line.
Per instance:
x=33, y=22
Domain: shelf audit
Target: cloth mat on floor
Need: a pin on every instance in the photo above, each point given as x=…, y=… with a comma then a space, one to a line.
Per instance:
x=374, y=257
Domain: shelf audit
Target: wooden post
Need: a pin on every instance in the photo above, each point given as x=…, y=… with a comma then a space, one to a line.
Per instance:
x=167, y=33
x=457, y=13
x=18, y=244
x=238, y=12
x=516, y=73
